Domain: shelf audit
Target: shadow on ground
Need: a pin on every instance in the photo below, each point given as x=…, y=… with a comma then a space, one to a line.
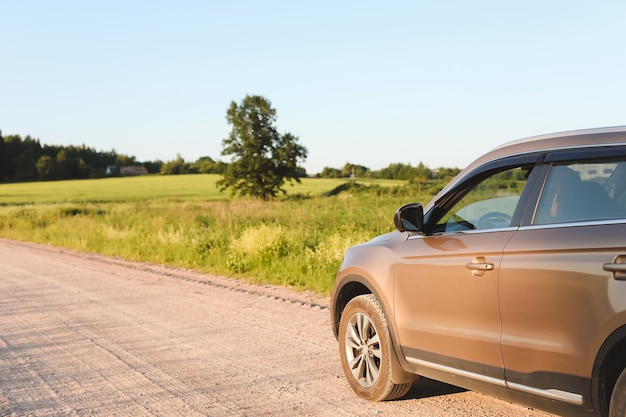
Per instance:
x=425, y=388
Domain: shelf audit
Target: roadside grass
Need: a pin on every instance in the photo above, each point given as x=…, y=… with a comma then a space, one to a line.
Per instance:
x=183, y=221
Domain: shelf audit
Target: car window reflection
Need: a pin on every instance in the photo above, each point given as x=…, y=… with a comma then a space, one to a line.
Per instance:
x=489, y=205
x=583, y=192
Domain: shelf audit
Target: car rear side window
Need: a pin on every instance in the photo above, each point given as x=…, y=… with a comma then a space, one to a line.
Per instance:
x=581, y=192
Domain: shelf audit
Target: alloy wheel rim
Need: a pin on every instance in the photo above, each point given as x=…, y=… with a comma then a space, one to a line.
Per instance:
x=363, y=349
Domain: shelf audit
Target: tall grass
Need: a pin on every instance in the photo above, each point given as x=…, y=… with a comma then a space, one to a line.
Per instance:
x=296, y=241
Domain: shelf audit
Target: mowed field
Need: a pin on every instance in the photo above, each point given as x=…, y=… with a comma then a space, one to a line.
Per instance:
x=149, y=187
x=185, y=221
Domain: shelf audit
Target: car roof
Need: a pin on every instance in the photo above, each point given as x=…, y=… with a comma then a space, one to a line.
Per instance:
x=586, y=138
x=568, y=139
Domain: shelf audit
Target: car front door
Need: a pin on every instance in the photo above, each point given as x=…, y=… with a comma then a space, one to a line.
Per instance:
x=446, y=285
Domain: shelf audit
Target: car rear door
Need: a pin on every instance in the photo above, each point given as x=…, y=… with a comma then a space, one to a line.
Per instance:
x=561, y=291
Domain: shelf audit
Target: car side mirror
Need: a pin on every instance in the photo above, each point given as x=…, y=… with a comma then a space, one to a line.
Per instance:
x=409, y=218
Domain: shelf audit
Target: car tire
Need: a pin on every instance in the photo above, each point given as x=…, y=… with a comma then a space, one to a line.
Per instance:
x=365, y=349
x=617, y=407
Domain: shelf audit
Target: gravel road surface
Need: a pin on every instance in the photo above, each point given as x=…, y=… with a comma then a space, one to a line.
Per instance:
x=84, y=335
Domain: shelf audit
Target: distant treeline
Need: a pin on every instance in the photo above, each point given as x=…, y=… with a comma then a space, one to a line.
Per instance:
x=26, y=159
x=395, y=171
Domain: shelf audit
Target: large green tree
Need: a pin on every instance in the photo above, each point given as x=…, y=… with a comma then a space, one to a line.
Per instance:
x=262, y=159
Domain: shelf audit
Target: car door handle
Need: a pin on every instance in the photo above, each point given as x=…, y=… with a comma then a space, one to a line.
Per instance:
x=611, y=267
x=479, y=266
x=617, y=267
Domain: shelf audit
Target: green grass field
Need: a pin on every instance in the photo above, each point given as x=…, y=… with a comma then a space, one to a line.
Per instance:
x=184, y=221
x=149, y=187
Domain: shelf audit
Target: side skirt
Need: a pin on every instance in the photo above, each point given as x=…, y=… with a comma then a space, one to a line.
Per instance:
x=551, y=394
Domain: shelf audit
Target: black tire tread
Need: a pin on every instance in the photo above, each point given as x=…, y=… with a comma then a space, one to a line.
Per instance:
x=388, y=390
x=617, y=407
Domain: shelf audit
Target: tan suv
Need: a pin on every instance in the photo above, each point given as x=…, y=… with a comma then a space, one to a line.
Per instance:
x=511, y=281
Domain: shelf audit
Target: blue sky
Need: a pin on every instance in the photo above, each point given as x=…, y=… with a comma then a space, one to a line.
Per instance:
x=371, y=83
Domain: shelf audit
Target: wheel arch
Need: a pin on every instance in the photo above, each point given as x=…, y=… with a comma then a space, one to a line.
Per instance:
x=352, y=286
x=609, y=364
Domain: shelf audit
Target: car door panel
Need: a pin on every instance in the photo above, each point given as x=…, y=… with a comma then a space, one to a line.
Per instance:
x=557, y=302
x=446, y=310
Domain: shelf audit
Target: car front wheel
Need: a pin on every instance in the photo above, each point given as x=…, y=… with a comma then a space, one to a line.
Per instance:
x=617, y=407
x=365, y=350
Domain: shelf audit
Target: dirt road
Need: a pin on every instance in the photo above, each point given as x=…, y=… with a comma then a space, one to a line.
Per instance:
x=87, y=335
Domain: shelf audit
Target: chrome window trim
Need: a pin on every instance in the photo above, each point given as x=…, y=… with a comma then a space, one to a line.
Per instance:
x=572, y=224
x=464, y=232
x=551, y=393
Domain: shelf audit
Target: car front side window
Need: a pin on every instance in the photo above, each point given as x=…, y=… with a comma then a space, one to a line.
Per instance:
x=488, y=205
